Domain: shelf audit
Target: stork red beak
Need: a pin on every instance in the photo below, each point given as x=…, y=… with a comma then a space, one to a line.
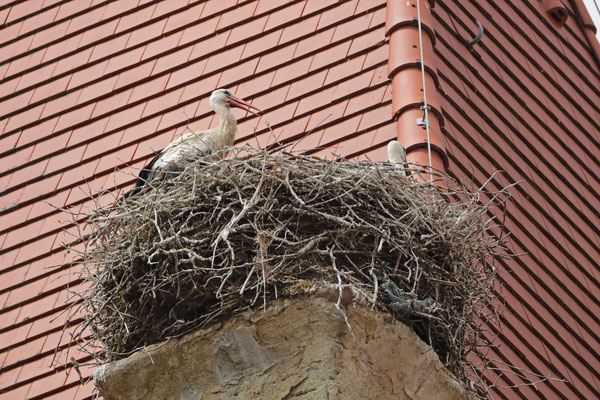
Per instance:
x=244, y=105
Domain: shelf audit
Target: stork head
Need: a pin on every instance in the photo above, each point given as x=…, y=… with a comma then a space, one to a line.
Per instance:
x=223, y=97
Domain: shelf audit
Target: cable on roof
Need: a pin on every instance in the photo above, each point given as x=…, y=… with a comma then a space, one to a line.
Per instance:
x=424, y=106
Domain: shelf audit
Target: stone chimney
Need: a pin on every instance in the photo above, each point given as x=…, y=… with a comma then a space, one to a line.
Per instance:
x=298, y=348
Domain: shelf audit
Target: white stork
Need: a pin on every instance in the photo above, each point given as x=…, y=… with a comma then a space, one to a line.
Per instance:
x=191, y=145
x=396, y=153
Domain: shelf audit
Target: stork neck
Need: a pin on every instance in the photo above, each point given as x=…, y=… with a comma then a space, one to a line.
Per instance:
x=227, y=123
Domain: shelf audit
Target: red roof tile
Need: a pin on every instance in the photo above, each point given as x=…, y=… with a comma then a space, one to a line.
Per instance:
x=17, y=393
x=93, y=15
x=10, y=377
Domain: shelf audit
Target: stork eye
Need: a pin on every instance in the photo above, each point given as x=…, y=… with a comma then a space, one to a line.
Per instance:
x=228, y=93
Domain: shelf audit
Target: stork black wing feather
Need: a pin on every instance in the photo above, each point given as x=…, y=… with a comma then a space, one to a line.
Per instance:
x=147, y=174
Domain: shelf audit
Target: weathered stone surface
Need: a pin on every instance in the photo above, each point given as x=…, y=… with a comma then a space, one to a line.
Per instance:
x=296, y=349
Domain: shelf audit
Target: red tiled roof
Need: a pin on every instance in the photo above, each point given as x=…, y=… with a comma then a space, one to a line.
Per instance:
x=526, y=101
x=90, y=86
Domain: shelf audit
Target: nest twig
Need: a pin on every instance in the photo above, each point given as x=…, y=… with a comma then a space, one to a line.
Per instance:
x=223, y=236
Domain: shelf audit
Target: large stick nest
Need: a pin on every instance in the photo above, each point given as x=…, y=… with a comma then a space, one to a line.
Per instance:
x=224, y=236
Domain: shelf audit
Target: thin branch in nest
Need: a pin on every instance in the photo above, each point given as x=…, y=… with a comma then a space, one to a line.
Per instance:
x=297, y=142
x=341, y=292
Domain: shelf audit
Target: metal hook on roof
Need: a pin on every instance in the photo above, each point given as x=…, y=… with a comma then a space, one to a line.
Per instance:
x=424, y=122
x=477, y=38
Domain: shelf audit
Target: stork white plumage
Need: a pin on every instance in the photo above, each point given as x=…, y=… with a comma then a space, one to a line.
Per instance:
x=191, y=145
x=396, y=153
